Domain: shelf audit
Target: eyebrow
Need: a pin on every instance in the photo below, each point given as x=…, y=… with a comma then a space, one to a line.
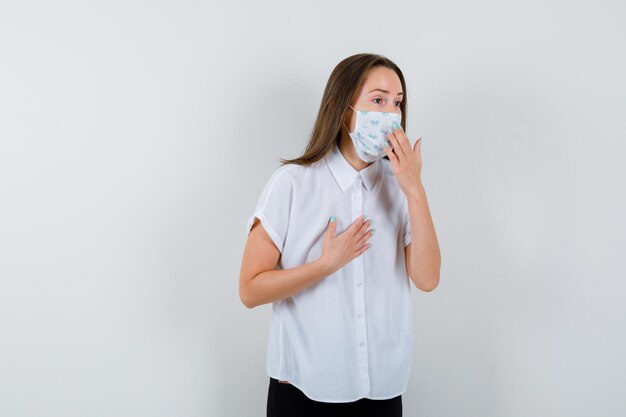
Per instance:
x=385, y=91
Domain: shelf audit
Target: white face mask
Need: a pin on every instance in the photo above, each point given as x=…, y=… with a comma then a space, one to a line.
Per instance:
x=370, y=132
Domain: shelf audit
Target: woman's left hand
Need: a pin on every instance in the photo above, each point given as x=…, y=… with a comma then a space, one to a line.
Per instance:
x=406, y=161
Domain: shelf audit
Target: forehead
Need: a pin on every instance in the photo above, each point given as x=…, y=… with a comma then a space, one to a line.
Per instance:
x=384, y=78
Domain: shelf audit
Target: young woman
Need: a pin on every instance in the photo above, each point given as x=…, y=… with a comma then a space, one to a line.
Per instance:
x=330, y=246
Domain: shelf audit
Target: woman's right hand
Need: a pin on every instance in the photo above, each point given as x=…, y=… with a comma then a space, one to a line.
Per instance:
x=338, y=250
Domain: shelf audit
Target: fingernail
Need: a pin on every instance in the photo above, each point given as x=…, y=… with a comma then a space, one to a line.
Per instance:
x=332, y=219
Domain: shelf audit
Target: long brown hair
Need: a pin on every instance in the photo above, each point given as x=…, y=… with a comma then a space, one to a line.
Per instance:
x=345, y=80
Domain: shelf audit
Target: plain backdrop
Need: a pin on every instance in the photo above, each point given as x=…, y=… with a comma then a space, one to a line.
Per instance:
x=136, y=137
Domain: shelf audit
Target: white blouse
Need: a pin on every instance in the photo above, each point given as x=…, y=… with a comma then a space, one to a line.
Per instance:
x=349, y=335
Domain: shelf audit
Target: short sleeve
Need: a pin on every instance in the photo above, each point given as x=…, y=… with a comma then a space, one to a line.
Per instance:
x=406, y=229
x=406, y=237
x=274, y=206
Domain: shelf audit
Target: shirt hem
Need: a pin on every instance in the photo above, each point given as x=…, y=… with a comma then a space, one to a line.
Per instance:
x=314, y=398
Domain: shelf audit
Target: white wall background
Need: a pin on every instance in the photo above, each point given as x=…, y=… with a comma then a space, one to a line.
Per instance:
x=135, y=139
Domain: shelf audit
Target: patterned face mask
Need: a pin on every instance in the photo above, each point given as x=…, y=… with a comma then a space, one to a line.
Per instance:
x=370, y=132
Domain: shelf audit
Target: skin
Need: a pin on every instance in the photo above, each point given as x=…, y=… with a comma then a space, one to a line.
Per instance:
x=259, y=280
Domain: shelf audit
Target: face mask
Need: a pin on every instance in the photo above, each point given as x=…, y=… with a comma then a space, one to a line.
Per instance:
x=370, y=132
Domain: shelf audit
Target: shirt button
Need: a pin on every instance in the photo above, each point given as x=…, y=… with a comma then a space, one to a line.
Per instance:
x=360, y=315
x=358, y=284
x=361, y=344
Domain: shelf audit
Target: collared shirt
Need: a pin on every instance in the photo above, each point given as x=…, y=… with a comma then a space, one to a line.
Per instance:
x=349, y=335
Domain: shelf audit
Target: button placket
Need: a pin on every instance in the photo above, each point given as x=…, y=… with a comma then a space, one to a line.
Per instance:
x=359, y=293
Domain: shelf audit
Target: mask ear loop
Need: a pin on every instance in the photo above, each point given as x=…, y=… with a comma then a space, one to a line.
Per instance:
x=343, y=122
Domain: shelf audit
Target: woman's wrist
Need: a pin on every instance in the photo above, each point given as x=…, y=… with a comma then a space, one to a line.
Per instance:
x=323, y=267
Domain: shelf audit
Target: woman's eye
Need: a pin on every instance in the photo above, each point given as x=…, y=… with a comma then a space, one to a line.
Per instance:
x=398, y=103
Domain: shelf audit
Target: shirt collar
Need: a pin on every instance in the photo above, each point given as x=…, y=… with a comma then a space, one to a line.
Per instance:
x=346, y=174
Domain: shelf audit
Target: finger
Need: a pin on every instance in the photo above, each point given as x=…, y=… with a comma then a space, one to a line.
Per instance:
x=417, y=148
x=363, y=228
x=365, y=237
x=418, y=145
x=397, y=148
x=356, y=225
x=388, y=143
x=393, y=159
x=331, y=228
x=403, y=139
x=362, y=249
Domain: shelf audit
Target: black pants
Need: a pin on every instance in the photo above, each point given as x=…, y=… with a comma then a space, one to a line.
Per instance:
x=285, y=400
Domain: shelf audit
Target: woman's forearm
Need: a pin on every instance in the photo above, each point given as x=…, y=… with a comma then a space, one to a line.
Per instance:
x=425, y=262
x=274, y=285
